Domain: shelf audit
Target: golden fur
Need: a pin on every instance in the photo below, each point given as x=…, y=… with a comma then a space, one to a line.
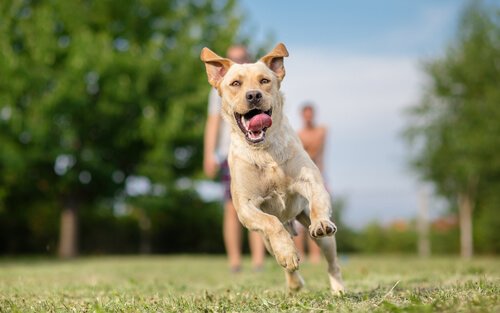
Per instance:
x=274, y=181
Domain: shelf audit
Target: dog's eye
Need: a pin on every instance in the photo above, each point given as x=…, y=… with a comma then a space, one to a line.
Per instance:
x=264, y=81
x=236, y=83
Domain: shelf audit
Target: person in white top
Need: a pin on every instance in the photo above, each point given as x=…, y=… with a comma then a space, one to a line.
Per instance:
x=216, y=148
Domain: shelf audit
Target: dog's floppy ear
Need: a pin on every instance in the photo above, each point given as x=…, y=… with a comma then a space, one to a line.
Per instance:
x=216, y=66
x=274, y=60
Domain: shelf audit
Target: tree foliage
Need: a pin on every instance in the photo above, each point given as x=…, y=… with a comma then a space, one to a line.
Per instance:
x=93, y=93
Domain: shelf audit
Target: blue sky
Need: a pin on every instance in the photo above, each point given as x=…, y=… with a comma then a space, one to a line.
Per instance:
x=377, y=27
x=360, y=63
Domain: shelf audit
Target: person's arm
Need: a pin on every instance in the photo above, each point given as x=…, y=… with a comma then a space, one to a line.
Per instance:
x=212, y=128
x=321, y=149
x=210, y=165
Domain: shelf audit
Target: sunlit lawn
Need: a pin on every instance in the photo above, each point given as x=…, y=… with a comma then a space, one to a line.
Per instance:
x=202, y=283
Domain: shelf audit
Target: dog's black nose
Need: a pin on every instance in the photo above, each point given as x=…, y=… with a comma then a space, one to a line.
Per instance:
x=253, y=96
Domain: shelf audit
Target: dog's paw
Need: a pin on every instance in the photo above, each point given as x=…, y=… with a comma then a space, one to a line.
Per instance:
x=322, y=228
x=285, y=253
x=289, y=260
x=336, y=285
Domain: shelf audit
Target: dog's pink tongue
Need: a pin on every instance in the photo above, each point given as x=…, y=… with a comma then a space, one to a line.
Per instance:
x=260, y=121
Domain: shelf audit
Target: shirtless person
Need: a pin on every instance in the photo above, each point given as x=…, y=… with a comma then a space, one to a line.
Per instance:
x=313, y=138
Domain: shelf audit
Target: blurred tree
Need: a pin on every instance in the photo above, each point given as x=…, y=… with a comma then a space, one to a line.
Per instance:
x=395, y=238
x=456, y=128
x=346, y=236
x=96, y=93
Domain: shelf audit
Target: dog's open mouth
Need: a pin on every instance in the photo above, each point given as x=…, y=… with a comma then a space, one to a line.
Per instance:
x=254, y=124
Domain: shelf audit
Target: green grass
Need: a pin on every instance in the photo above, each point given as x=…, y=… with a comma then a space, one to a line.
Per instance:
x=202, y=283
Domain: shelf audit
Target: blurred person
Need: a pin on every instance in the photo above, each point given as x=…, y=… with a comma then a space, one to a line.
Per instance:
x=313, y=139
x=216, y=148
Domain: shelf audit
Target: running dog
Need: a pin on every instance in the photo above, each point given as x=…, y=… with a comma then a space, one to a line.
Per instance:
x=273, y=180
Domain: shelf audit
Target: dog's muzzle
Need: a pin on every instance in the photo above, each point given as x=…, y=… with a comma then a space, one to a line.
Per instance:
x=254, y=124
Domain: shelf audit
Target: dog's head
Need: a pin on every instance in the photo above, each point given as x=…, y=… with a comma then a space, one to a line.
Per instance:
x=250, y=92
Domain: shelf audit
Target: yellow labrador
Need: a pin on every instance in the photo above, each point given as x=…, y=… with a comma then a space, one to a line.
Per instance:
x=273, y=180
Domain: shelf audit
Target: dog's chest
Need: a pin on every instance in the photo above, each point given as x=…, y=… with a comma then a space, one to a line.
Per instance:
x=279, y=200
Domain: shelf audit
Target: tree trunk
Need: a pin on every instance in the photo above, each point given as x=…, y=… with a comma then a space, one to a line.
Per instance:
x=145, y=228
x=424, y=243
x=465, y=208
x=68, y=235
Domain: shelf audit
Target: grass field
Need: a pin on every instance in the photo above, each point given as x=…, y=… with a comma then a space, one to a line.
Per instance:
x=202, y=283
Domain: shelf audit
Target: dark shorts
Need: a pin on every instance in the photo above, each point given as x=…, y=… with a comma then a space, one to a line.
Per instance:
x=225, y=178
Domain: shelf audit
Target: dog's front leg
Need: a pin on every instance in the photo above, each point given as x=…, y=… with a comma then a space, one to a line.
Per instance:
x=321, y=223
x=279, y=242
x=311, y=186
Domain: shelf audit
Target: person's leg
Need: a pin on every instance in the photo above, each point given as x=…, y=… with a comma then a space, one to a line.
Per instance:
x=314, y=250
x=232, y=236
x=257, y=249
x=299, y=240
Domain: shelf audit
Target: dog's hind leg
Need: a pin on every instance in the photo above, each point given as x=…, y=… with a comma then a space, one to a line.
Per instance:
x=294, y=281
x=329, y=248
